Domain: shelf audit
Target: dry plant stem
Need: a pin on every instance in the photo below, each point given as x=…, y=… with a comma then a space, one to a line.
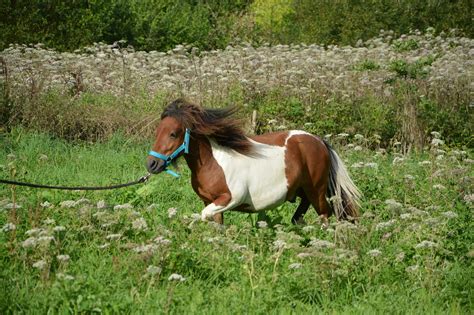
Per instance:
x=169, y=299
x=278, y=255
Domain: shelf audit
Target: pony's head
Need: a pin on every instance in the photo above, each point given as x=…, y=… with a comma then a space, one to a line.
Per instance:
x=183, y=121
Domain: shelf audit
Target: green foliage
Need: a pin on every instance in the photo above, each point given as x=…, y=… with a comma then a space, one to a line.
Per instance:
x=211, y=24
x=367, y=65
x=417, y=69
x=344, y=22
x=405, y=45
x=413, y=237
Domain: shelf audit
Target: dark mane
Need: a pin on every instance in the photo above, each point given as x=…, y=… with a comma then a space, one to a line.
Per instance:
x=217, y=124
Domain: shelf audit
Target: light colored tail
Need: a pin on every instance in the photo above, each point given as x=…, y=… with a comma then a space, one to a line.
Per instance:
x=343, y=194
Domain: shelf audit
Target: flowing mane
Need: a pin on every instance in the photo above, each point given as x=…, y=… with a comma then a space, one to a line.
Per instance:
x=217, y=124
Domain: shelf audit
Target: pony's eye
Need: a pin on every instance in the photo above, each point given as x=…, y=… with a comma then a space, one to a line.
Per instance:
x=173, y=135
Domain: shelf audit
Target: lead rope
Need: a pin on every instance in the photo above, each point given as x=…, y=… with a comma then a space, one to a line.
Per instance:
x=141, y=180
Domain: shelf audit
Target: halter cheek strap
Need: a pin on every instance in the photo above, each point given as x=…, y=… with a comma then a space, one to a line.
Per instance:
x=169, y=158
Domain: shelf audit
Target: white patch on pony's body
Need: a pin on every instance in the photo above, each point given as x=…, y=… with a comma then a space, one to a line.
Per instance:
x=258, y=180
x=296, y=133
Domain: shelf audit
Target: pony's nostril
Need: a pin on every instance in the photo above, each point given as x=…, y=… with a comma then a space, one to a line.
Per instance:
x=153, y=166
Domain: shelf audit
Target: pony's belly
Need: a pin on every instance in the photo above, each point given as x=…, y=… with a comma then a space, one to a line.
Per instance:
x=257, y=183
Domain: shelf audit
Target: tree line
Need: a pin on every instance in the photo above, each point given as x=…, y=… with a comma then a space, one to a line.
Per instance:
x=212, y=24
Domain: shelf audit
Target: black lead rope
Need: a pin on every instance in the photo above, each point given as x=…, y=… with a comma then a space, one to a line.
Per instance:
x=141, y=180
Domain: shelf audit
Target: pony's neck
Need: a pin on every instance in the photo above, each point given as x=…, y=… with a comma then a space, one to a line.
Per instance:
x=200, y=155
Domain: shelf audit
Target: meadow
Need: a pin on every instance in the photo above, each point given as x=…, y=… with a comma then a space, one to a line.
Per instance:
x=398, y=109
x=144, y=249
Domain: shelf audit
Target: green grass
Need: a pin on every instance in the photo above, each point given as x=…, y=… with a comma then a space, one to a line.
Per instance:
x=238, y=268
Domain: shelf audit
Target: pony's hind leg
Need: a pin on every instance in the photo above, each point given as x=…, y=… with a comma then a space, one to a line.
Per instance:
x=301, y=211
x=317, y=197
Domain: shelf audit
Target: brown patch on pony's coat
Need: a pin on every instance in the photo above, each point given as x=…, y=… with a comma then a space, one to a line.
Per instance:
x=217, y=124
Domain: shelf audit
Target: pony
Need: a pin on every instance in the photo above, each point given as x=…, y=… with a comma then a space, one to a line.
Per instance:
x=233, y=171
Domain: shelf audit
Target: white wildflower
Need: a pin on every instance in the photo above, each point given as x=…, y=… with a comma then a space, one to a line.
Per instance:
x=384, y=225
x=176, y=277
x=400, y=257
x=12, y=206
x=153, y=270
x=125, y=206
x=343, y=135
x=371, y=165
x=101, y=204
x=103, y=246
x=412, y=269
x=436, y=134
x=279, y=244
x=160, y=240
x=398, y=160
x=172, y=212
x=49, y=221
x=405, y=216
x=321, y=244
x=34, y=232
x=358, y=136
x=409, y=177
x=262, y=224
x=425, y=244
x=45, y=240
x=196, y=217
x=139, y=224
x=374, y=252
x=439, y=187
x=30, y=242
x=308, y=228
x=469, y=198
x=294, y=266
x=436, y=142
x=46, y=204
x=425, y=162
x=63, y=276
x=113, y=237
x=148, y=248
x=8, y=227
x=59, y=228
x=357, y=148
x=63, y=258
x=67, y=204
x=393, y=205
x=450, y=214
x=304, y=255
x=358, y=165
x=40, y=264
x=152, y=207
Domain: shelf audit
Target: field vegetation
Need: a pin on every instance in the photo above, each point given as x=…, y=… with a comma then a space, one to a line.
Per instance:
x=388, y=83
x=144, y=248
x=394, y=89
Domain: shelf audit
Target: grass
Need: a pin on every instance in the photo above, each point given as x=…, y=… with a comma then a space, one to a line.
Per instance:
x=411, y=252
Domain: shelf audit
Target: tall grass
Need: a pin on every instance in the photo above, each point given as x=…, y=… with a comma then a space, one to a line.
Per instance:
x=144, y=248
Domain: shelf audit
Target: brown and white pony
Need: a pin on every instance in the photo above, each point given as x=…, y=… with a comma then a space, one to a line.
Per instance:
x=232, y=171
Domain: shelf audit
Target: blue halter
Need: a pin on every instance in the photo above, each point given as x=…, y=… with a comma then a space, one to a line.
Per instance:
x=169, y=158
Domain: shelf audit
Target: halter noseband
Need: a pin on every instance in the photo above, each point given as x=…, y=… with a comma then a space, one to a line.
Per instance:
x=169, y=158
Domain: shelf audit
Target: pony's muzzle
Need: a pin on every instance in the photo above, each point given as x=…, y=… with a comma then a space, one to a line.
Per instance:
x=155, y=166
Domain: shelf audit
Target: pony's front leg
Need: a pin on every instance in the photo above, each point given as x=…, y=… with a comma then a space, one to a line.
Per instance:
x=219, y=205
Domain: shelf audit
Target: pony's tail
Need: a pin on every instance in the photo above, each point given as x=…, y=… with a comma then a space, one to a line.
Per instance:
x=343, y=194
